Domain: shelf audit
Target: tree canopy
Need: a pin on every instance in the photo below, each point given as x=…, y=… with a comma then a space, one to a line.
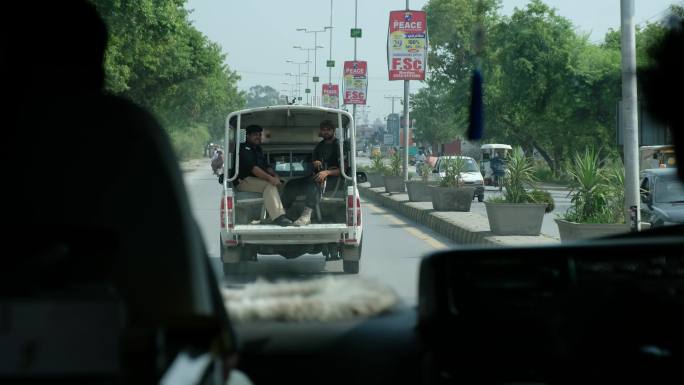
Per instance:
x=262, y=96
x=547, y=87
x=159, y=60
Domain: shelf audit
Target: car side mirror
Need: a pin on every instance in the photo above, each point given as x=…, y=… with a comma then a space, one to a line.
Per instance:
x=361, y=177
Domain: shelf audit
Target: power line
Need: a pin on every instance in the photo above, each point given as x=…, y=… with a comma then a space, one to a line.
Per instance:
x=279, y=74
x=661, y=13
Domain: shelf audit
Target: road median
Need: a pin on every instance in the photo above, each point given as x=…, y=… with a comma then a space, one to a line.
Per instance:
x=461, y=227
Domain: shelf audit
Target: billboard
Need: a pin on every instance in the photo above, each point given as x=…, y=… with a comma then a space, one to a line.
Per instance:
x=407, y=45
x=331, y=95
x=355, y=82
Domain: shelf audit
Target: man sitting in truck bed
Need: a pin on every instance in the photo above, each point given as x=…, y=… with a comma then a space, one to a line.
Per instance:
x=257, y=176
x=326, y=165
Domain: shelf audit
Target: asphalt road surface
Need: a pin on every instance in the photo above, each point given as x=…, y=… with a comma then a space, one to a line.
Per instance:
x=392, y=245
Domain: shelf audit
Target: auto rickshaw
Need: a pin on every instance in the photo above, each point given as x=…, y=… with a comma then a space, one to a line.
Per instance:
x=490, y=151
x=662, y=156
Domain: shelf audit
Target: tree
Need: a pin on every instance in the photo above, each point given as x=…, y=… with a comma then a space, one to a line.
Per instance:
x=262, y=96
x=452, y=55
x=159, y=60
x=436, y=121
x=547, y=81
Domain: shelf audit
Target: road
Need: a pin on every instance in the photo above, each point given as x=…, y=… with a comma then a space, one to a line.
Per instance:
x=392, y=246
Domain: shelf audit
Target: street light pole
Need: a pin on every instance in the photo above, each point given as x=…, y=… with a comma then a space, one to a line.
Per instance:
x=393, y=98
x=629, y=112
x=406, y=121
x=315, y=49
x=299, y=74
x=356, y=14
x=330, y=54
x=308, y=55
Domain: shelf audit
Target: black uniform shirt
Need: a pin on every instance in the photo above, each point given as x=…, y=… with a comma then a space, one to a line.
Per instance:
x=250, y=156
x=328, y=154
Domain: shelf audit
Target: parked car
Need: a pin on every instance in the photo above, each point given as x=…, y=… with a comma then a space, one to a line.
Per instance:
x=472, y=177
x=662, y=195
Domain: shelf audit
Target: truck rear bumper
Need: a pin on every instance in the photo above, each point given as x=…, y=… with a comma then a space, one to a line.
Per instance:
x=292, y=235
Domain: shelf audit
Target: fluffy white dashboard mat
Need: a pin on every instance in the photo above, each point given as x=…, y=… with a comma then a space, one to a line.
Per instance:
x=321, y=299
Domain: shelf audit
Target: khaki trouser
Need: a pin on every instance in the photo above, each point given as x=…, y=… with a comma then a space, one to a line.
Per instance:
x=274, y=206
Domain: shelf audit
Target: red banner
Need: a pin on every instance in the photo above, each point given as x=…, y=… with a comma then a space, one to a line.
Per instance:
x=331, y=95
x=407, y=45
x=355, y=82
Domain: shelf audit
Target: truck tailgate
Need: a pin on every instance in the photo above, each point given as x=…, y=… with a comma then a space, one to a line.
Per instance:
x=313, y=233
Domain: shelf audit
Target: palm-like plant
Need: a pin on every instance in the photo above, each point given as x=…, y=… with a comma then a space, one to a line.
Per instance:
x=520, y=176
x=453, y=168
x=378, y=164
x=425, y=171
x=615, y=176
x=395, y=165
x=593, y=190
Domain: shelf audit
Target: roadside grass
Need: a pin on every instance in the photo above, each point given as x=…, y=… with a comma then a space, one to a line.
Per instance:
x=189, y=144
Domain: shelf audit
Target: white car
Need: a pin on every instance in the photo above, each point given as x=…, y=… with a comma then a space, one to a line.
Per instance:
x=471, y=177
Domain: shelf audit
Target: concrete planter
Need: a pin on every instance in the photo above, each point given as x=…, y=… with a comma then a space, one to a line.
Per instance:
x=419, y=191
x=394, y=184
x=515, y=218
x=571, y=231
x=451, y=199
x=376, y=179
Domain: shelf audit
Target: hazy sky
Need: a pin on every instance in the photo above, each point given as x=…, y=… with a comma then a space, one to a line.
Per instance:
x=258, y=36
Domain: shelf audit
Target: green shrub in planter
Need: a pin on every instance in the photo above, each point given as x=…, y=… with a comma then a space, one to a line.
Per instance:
x=519, y=211
x=378, y=165
x=453, y=168
x=539, y=196
x=395, y=167
x=425, y=171
x=597, y=192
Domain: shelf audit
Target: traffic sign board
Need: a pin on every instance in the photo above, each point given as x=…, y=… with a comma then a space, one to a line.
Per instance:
x=330, y=63
x=299, y=98
x=308, y=90
x=315, y=79
x=356, y=32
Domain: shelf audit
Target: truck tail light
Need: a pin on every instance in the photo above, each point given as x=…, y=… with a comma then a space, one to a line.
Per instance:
x=350, y=211
x=227, y=209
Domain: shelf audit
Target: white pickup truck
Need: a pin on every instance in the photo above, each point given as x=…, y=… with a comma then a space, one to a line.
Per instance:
x=289, y=137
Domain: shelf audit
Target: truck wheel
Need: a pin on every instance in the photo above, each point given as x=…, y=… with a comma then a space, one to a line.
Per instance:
x=350, y=267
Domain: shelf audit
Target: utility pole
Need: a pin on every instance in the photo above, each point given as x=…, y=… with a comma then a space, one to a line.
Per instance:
x=299, y=74
x=356, y=13
x=315, y=49
x=393, y=98
x=407, y=122
x=629, y=113
x=330, y=27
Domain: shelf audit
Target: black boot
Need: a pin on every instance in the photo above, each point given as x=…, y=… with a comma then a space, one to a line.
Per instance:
x=282, y=221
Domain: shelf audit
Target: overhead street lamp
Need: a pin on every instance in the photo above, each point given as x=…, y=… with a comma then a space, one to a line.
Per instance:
x=316, y=46
x=308, y=57
x=299, y=73
x=291, y=91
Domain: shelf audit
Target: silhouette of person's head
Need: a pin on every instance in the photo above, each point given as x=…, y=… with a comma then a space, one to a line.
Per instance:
x=57, y=49
x=663, y=85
